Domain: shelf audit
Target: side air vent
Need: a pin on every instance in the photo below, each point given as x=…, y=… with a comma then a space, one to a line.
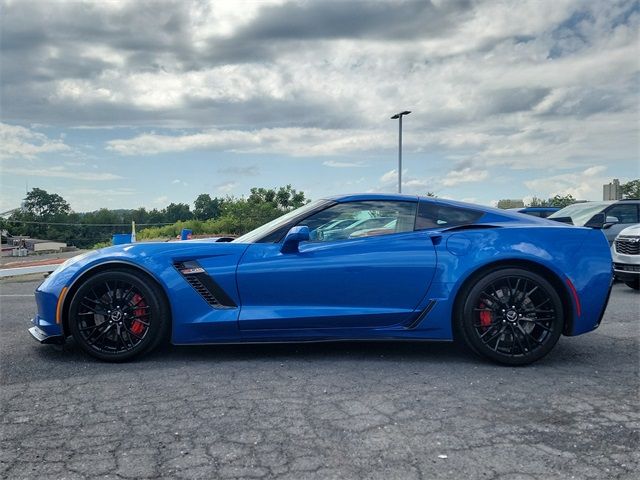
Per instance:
x=421, y=316
x=209, y=290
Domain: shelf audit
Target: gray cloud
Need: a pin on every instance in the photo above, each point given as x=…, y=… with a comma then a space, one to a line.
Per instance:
x=512, y=100
x=356, y=20
x=157, y=25
x=459, y=65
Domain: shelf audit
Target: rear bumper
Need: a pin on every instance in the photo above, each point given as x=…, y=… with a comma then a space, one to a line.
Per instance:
x=606, y=304
x=43, y=337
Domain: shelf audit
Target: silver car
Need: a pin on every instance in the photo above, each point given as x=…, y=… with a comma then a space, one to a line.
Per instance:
x=626, y=256
x=610, y=216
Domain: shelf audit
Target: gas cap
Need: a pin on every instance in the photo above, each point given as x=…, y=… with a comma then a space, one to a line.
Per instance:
x=459, y=244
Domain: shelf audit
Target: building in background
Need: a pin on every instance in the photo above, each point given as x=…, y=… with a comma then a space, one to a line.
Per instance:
x=612, y=191
x=20, y=245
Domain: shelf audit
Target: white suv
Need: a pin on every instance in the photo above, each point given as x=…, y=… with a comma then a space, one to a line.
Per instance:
x=626, y=256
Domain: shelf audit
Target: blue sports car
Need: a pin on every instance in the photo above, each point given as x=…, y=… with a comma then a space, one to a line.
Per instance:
x=504, y=284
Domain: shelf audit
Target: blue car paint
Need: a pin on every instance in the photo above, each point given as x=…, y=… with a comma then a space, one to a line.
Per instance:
x=362, y=288
x=366, y=282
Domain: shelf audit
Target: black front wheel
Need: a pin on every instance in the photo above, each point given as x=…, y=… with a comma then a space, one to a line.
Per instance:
x=511, y=316
x=116, y=315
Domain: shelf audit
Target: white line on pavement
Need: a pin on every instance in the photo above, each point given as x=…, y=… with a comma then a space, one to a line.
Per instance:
x=10, y=272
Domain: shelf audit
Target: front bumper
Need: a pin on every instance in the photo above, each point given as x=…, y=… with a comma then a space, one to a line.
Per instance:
x=626, y=272
x=43, y=337
x=626, y=266
x=43, y=329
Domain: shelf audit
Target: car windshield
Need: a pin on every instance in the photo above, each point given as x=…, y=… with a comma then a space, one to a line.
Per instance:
x=580, y=213
x=260, y=232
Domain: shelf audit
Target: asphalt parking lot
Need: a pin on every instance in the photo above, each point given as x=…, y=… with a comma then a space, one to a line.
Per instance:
x=342, y=410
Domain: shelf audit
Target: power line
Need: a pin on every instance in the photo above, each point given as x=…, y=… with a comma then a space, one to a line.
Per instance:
x=29, y=222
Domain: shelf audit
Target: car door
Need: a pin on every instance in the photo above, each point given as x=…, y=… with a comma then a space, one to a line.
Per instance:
x=344, y=281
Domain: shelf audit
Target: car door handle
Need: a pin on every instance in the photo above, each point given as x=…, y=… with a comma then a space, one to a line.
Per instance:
x=436, y=238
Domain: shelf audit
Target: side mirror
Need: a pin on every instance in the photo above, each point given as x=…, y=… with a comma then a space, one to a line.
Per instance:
x=600, y=220
x=597, y=221
x=610, y=222
x=293, y=238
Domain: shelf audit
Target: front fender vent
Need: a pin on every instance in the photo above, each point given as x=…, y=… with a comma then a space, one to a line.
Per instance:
x=207, y=288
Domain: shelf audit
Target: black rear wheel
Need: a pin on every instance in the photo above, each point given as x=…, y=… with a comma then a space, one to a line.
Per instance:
x=116, y=315
x=511, y=316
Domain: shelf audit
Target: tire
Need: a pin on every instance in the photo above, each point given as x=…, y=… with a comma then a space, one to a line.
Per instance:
x=117, y=315
x=635, y=284
x=491, y=327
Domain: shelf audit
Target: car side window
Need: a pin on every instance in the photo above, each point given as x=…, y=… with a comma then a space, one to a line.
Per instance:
x=351, y=220
x=625, y=213
x=435, y=215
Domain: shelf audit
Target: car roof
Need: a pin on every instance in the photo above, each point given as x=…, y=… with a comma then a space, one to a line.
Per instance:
x=361, y=197
x=578, y=206
x=495, y=214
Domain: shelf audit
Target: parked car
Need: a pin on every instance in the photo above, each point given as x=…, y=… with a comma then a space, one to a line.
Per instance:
x=625, y=252
x=504, y=284
x=611, y=216
x=542, y=212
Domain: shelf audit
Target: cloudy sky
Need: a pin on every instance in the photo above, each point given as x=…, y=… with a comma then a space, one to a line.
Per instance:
x=139, y=103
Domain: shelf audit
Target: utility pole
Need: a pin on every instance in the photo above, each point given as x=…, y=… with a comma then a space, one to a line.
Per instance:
x=398, y=116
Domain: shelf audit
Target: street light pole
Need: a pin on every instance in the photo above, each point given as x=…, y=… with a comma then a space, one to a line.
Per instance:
x=398, y=116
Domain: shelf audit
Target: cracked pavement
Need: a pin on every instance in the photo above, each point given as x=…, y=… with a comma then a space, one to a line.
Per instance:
x=332, y=410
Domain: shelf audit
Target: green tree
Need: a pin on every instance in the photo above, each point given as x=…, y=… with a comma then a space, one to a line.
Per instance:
x=205, y=207
x=559, y=201
x=48, y=215
x=508, y=203
x=42, y=204
x=140, y=215
x=177, y=211
x=156, y=216
x=39, y=210
x=539, y=202
x=631, y=189
x=285, y=198
x=562, y=201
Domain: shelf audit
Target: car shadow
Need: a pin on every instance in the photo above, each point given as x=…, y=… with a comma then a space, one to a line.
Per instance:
x=305, y=351
x=315, y=351
x=70, y=361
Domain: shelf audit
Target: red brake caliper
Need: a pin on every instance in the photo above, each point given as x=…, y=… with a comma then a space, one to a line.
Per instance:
x=137, y=326
x=486, y=317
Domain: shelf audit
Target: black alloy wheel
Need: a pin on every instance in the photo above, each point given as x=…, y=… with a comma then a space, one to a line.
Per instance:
x=117, y=314
x=511, y=316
